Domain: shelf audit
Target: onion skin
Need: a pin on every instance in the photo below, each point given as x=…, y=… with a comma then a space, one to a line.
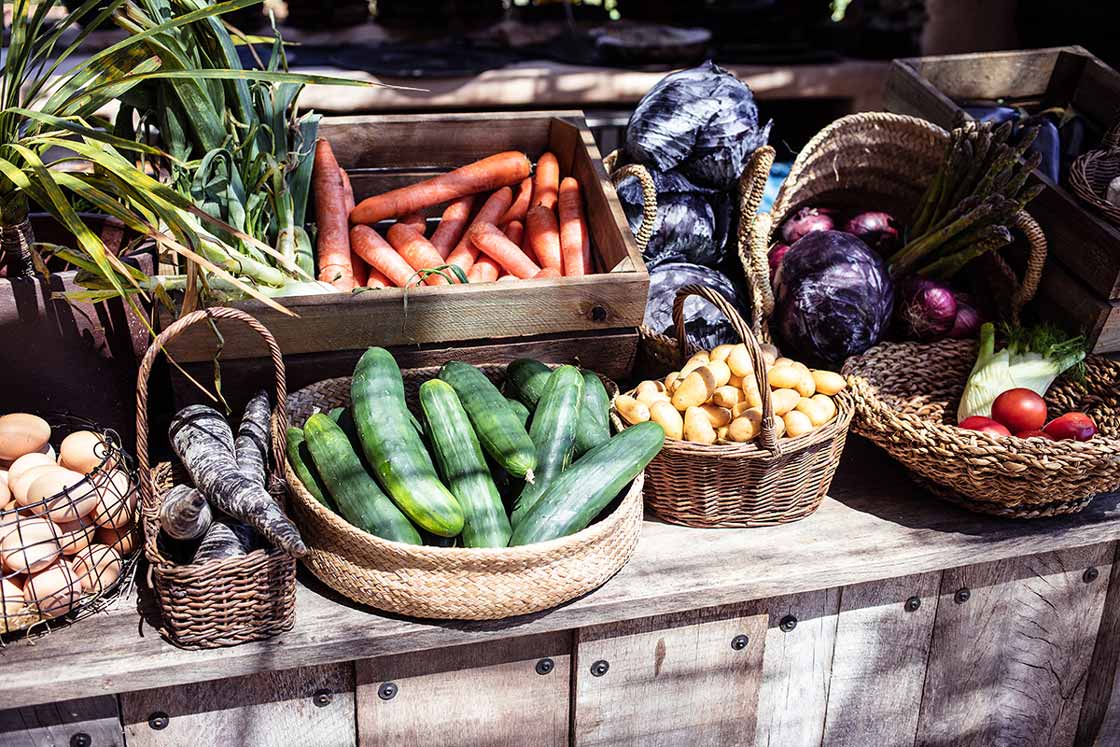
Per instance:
x=967, y=322
x=877, y=229
x=927, y=309
x=805, y=221
x=775, y=257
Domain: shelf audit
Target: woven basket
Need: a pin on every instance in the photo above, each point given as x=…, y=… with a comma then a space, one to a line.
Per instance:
x=454, y=583
x=1091, y=173
x=221, y=602
x=762, y=483
x=906, y=396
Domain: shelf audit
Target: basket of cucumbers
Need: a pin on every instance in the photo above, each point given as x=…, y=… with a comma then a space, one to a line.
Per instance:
x=464, y=492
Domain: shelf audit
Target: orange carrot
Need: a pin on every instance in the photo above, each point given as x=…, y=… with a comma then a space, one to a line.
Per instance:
x=485, y=270
x=377, y=279
x=330, y=212
x=361, y=269
x=494, y=172
x=376, y=251
x=508, y=279
x=416, y=250
x=520, y=204
x=575, y=244
x=542, y=236
x=488, y=239
x=417, y=221
x=452, y=225
x=515, y=232
x=494, y=208
x=546, y=183
x=547, y=272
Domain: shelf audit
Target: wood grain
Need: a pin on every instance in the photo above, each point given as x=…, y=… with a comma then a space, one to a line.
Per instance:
x=879, y=661
x=1009, y=665
x=274, y=708
x=1099, y=724
x=1064, y=299
x=474, y=696
x=989, y=75
x=671, y=680
x=56, y=724
x=794, y=698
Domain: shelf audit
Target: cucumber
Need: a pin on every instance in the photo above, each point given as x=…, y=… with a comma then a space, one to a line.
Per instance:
x=526, y=380
x=460, y=461
x=300, y=459
x=342, y=416
x=393, y=447
x=357, y=496
x=520, y=410
x=553, y=433
x=587, y=487
x=498, y=429
x=594, y=415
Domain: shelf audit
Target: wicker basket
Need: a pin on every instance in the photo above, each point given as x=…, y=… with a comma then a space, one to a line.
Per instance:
x=907, y=394
x=454, y=583
x=1091, y=173
x=762, y=483
x=222, y=602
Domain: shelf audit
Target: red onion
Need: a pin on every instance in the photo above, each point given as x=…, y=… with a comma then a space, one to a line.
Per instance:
x=804, y=221
x=877, y=229
x=927, y=308
x=775, y=256
x=967, y=322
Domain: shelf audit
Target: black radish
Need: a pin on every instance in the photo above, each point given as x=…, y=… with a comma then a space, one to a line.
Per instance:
x=185, y=513
x=224, y=539
x=251, y=445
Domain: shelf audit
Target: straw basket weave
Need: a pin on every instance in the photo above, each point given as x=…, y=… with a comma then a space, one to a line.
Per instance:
x=1091, y=173
x=221, y=602
x=907, y=394
x=447, y=582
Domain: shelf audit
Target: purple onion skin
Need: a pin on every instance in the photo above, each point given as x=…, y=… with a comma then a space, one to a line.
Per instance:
x=805, y=221
x=967, y=322
x=927, y=309
x=877, y=229
x=776, y=255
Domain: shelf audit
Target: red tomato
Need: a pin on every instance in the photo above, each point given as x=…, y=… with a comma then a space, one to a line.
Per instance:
x=1020, y=410
x=1073, y=425
x=984, y=425
x=1035, y=434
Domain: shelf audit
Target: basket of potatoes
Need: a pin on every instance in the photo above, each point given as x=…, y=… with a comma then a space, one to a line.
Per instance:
x=752, y=439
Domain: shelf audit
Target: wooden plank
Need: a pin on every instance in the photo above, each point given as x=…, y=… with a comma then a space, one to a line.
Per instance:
x=989, y=75
x=1099, y=724
x=1097, y=95
x=62, y=724
x=677, y=679
x=879, y=662
x=1064, y=299
x=491, y=694
x=303, y=707
x=794, y=698
x=907, y=92
x=1009, y=664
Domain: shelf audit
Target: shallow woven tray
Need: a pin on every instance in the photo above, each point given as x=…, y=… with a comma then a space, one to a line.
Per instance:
x=1092, y=172
x=454, y=583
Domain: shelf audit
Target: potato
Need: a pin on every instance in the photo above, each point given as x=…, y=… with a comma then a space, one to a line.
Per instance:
x=697, y=427
x=784, y=400
x=721, y=433
x=727, y=396
x=693, y=363
x=649, y=387
x=783, y=377
x=718, y=416
x=779, y=427
x=770, y=353
x=753, y=397
x=739, y=361
x=824, y=401
x=695, y=390
x=720, y=372
x=797, y=423
x=671, y=381
x=738, y=410
x=736, y=381
x=806, y=387
x=664, y=414
x=818, y=414
x=747, y=426
x=828, y=382
x=631, y=410
x=647, y=399
x=720, y=352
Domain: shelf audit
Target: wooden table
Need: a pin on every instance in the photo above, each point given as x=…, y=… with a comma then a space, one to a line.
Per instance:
x=885, y=618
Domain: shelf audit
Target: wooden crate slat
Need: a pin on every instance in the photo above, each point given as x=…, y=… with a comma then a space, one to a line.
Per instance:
x=989, y=75
x=58, y=723
x=1100, y=711
x=1067, y=301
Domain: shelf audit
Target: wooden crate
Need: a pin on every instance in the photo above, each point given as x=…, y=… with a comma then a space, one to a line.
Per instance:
x=385, y=152
x=1064, y=299
x=935, y=87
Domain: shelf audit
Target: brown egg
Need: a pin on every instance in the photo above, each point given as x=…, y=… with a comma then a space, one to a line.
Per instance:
x=116, y=501
x=11, y=602
x=22, y=482
x=62, y=494
x=9, y=514
x=29, y=545
x=21, y=434
x=27, y=461
x=5, y=492
x=83, y=451
x=97, y=567
x=123, y=540
x=75, y=536
x=53, y=591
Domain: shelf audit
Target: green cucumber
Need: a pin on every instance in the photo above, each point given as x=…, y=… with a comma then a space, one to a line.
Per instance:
x=520, y=410
x=554, y=434
x=342, y=416
x=495, y=423
x=357, y=496
x=594, y=415
x=526, y=380
x=300, y=460
x=460, y=461
x=393, y=448
x=587, y=487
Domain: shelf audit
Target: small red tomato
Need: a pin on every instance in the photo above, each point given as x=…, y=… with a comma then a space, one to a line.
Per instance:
x=984, y=425
x=1034, y=434
x=1073, y=425
x=1020, y=410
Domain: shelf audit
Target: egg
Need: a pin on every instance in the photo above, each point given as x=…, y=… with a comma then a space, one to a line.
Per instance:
x=22, y=482
x=9, y=514
x=54, y=591
x=83, y=451
x=62, y=494
x=27, y=461
x=116, y=500
x=5, y=492
x=123, y=540
x=29, y=545
x=11, y=600
x=75, y=536
x=21, y=433
x=97, y=567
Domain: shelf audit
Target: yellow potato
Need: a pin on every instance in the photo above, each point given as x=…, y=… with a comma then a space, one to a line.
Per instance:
x=753, y=396
x=739, y=361
x=736, y=381
x=695, y=389
x=828, y=382
x=747, y=426
x=649, y=386
x=664, y=414
x=693, y=363
x=817, y=413
x=650, y=395
x=779, y=427
x=806, y=387
x=797, y=423
x=770, y=354
x=671, y=381
x=720, y=372
x=719, y=416
x=721, y=433
x=697, y=427
x=631, y=410
x=720, y=352
x=784, y=400
x=727, y=396
x=738, y=410
x=826, y=403
x=783, y=377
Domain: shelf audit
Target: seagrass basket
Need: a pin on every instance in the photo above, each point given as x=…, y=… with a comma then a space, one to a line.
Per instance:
x=454, y=583
x=1092, y=172
x=765, y=482
x=220, y=602
x=907, y=394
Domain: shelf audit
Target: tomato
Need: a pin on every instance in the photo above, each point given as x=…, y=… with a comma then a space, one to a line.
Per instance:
x=1019, y=410
x=1035, y=434
x=1073, y=425
x=984, y=425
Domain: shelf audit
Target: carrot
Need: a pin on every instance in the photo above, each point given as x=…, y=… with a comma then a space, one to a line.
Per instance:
x=542, y=236
x=494, y=172
x=377, y=279
x=508, y=279
x=361, y=269
x=575, y=244
x=488, y=239
x=452, y=225
x=376, y=251
x=520, y=204
x=515, y=232
x=547, y=272
x=416, y=250
x=485, y=270
x=417, y=221
x=330, y=214
x=546, y=183
x=494, y=208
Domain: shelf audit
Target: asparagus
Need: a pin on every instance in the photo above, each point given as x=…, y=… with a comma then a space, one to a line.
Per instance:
x=947, y=267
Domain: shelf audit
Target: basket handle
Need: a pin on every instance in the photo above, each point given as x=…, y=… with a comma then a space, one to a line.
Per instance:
x=754, y=239
x=649, y=195
x=280, y=415
x=1022, y=291
x=1111, y=138
x=766, y=432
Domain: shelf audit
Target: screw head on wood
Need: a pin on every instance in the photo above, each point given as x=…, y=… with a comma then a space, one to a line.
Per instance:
x=598, y=314
x=599, y=668
x=545, y=666
x=158, y=720
x=81, y=739
x=739, y=642
x=1090, y=575
x=913, y=603
x=962, y=596
x=322, y=697
x=788, y=623
x=387, y=691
